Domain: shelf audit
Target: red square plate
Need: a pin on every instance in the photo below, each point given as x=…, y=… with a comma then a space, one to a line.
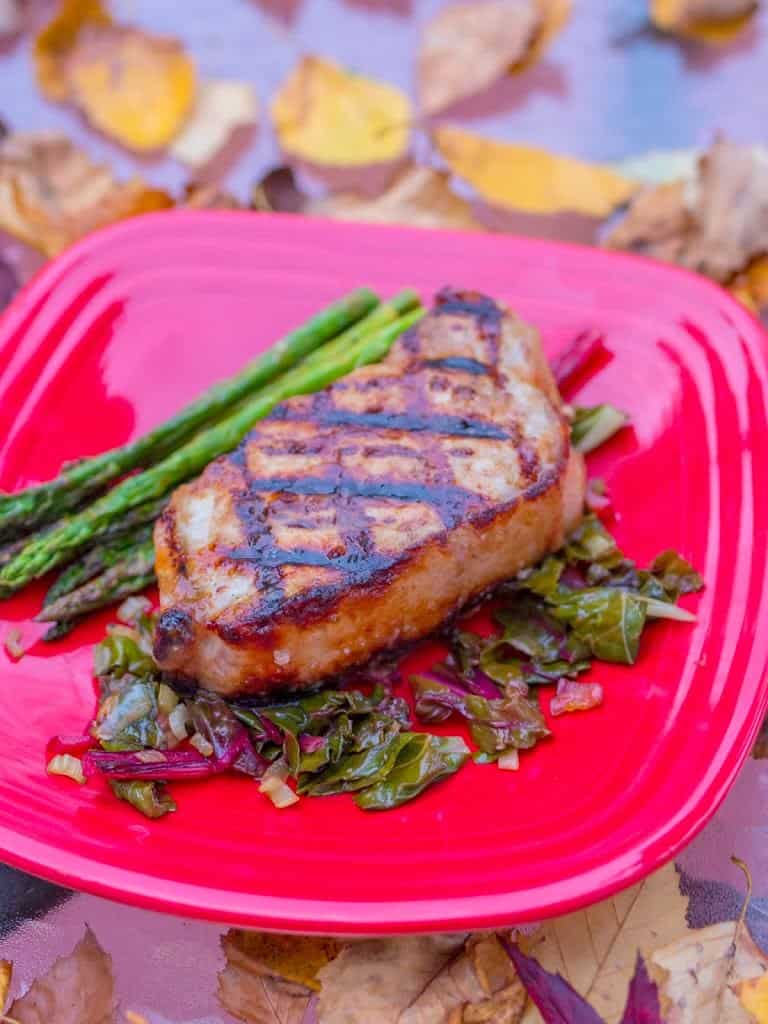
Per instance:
x=128, y=325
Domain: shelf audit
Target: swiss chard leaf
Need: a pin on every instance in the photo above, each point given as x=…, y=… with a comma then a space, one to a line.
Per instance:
x=529, y=628
x=675, y=574
x=118, y=654
x=609, y=620
x=423, y=760
x=591, y=542
x=130, y=721
x=356, y=771
x=148, y=797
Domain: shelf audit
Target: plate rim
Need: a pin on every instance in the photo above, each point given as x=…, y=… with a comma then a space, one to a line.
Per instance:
x=352, y=917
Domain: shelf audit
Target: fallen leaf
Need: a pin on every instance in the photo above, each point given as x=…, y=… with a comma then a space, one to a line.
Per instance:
x=54, y=44
x=135, y=87
x=6, y=975
x=374, y=981
x=553, y=16
x=78, y=989
x=221, y=108
x=329, y=116
x=468, y=46
x=695, y=973
x=642, y=999
x=269, y=979
x=706, y=21
x=295, y=958
x=209, y=197
x=51, y=193
x=277, y=192
x=531, y=180
x=478, y=985
x=596, y=949
x=753, y=996
x=751, y=287
x=715, y=224
x=420, y=197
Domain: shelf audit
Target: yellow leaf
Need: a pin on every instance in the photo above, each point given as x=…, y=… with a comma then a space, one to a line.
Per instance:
x=420, y=197
x=78, y=989
x=6, y=975
x=221, y=108
x=54, y=44
x=51, y=193
x=698, y=969
x=530, y=180
x=136, y=88
x=295, y=958
x=330, y=116
x=595, y=949
x=705, y=21
x=753, y=995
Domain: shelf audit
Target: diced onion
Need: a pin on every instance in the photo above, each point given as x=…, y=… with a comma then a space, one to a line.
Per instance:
x=278, y=792
x=167, y=699
x=150, y=756
x=177, y=721
x=13, y=643
x=509, y=761
x=66, y=764
x=118, y=629
x=132, y=608
x=201, y=744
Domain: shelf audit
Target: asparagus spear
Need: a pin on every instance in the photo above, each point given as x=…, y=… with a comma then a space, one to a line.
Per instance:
x=27, y=509
x=45, y=553
x=95, y=561
x=132, y=573
x=59, y=630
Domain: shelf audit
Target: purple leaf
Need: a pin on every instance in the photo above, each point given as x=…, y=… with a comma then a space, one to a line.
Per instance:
x=557, y=1002
x=150, y=764
x=309, y=744
x=642, y=999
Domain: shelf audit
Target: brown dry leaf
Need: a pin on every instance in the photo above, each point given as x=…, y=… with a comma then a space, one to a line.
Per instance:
x=209, y=197
x=374, y=981
x=221, y=108
x=716, y=224
x=78, y=989
x=695, y=974
x=269, y=978
x=529, y=180
x=134, y=87
x=479, y=985
x=595, y=949
x=6, y=976
x=51, y=193
x=706, y=21
x=419, y=197
x=329, y=116
x=468, y=46
x=277, y=192
x=753, y=996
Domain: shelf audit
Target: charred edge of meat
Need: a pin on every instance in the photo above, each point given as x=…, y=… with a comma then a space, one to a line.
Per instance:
x=174, y=631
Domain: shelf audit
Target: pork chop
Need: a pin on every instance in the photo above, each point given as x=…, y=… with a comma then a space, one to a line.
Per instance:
x=359, y=518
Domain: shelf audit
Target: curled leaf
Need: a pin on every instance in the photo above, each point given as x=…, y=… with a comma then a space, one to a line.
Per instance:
x=530, y=180
x=52, y=194
x=330, y=116
x=134, y=87
x=716, y=224
x=420, y=197
x=78, y=989
x=220, y=109
x=706, y=21
x=467, y=46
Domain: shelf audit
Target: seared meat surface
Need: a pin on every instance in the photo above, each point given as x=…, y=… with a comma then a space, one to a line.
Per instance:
x=359, y=518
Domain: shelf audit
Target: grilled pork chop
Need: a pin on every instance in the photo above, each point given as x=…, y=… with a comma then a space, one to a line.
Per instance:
x=361, y=517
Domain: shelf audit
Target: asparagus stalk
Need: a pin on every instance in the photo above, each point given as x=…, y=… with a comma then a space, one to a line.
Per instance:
x=131, y=574
x=21, y=512
x=95, y=561
x=59, y=630
x=45, y=553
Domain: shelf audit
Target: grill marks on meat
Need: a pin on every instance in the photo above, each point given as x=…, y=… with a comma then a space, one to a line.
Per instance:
x=289, y=558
